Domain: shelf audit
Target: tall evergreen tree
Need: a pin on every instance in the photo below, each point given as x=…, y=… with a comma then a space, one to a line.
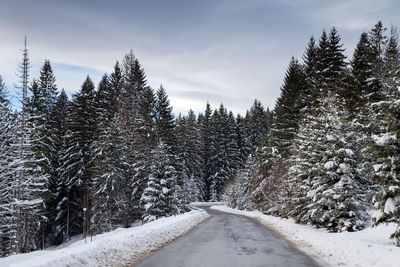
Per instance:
x=189, y=154
x=208, y=147
x=7, y=131
x=108, y=163
x=28, y=182
x=108, y=168
x=73, y=217
x=48, y=88
x=257, y=122
x=386, y=146
x=130, y=101
x=57, y=188
x=158, y=197
x=165, y=123
x=361, y=66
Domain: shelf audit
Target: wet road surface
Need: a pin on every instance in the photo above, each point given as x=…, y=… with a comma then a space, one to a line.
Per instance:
x=228, y=240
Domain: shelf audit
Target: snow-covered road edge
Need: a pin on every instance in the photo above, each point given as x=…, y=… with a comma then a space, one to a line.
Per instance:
x=370, y=247
x=208, y=204
x=122, y=247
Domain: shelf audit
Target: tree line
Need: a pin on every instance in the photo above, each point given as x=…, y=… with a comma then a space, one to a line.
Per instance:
x=111, y=156
x=332, y=153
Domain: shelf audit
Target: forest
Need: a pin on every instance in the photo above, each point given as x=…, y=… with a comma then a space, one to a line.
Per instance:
x=112, y=156
x=115, y=155
x=331, y=156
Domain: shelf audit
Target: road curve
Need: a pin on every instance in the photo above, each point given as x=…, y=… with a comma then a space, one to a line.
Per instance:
x=228, y=240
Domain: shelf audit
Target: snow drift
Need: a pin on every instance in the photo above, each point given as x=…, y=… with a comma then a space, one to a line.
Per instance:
x=122, y=247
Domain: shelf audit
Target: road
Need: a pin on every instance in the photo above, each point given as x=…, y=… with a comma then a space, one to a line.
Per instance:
x=228, y=240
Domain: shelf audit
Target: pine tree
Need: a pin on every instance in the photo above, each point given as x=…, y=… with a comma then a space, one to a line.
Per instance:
x=287, y=109
x=147, y=119
x=116, y=82
x=189, y=148
x=225, y=157
x=257, y=122
x=42, y=104
x=73, y=217
x=6, y=179
x=158, y=197
x=165, y=123
x=26, y=182
x=310, y=59
x=108, y=162
x=57, y=188
x=335, y=72
x=108, y=168
x=130, y=101
x=325, y=186
x=242, y=141
x=322, y=64
x=303, y=161
x=48, y=88
x=3, y=93
x=378, y=41
x=208, y=149
x=385, y=146
x=361, y=74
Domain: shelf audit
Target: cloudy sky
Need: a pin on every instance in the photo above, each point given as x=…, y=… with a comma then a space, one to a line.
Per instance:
x=229, y=51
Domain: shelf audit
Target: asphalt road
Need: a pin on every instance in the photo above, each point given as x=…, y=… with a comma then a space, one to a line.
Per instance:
x=228, y=240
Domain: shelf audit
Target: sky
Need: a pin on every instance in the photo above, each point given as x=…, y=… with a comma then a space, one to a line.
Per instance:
x=220, y=51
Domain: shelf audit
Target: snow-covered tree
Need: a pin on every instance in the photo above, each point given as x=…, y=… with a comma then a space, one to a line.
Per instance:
x=109, y=171
x=386, y=146
x=73, y=210
x=7, y=129
x=130, y=101
x=158, y=198
x=207, y=147
x=189, y=148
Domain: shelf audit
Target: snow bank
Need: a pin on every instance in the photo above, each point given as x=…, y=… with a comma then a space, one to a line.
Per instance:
x=203, y=204
x=122, y=247
x=370, y=247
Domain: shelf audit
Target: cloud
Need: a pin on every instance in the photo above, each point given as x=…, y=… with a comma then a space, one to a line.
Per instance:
x=347, y=15
x=223, y=51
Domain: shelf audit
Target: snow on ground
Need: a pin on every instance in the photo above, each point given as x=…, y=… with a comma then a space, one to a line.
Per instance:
x=122, y=247
x=202, y=204
x=369, y=247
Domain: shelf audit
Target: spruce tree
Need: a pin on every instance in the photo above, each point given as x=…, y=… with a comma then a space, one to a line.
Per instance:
x=377, y=41
x=242, y=141
x=165, y=123
x=158, y=197
x=386, y=146
x=48, y=88
x=43, y=103
x=225, y=158
x=108, y=168
x=287, y=109
x=189, y=148
x=7, y=129
x=130, y=101
x=325, y=186
x=57, y=188
x=207, y=147
x=28, y=182
x=361, y=74
x=108, y=163
x=257, y=123
x=73, y=218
